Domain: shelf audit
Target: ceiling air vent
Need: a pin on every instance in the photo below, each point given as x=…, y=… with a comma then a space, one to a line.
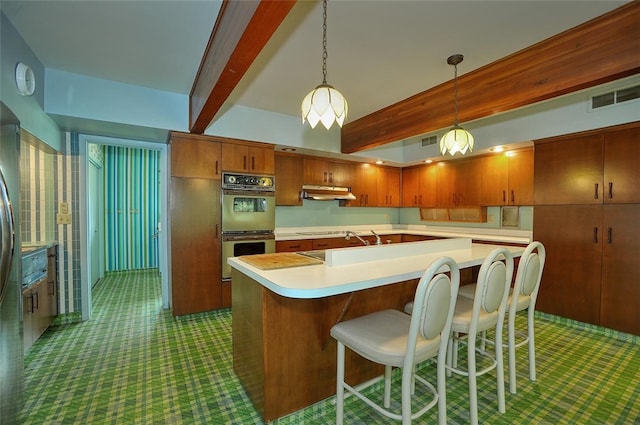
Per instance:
x=428, y=141
x=614, y=97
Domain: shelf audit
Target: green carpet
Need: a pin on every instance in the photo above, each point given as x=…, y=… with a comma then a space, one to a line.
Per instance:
x=134, y=363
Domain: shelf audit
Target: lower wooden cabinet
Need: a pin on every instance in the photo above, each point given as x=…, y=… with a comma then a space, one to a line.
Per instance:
x=37, y=311
x=294, y=245
x=591, y=272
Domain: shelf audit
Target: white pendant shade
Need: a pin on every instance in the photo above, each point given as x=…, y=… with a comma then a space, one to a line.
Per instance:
x=324, y=104
x=456, y=140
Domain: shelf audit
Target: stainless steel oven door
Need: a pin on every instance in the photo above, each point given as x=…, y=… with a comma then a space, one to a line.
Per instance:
x=235, y=246
x=248, y=211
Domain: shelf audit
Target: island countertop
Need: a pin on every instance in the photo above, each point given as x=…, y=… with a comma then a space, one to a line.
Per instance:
x=357, y=268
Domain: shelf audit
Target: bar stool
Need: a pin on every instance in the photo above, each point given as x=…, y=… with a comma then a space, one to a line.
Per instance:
x=527, y=285
x=475, y=316
x=394, y=339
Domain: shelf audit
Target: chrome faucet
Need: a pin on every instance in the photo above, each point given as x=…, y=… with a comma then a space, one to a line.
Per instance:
x=378, y=240
x=348, y=236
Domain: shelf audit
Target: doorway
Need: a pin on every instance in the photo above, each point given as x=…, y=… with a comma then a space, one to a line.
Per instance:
x=96, y=223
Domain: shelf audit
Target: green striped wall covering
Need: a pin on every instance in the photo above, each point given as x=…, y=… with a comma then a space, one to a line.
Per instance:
x=131, y=190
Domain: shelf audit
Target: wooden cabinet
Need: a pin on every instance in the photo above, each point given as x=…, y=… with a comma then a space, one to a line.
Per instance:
x=622, y=166
x=195, y=245
x=388, y=187
x=37, y=311
x=327, y=173
x=507, y=179
x=591, y=235
x=248, y=158
x=195, y=156
x=419, y=186
x=288, y=174
x=294, y=245
x=364, y=186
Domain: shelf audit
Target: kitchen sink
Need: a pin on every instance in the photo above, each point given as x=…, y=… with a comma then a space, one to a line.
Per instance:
x=317, y=254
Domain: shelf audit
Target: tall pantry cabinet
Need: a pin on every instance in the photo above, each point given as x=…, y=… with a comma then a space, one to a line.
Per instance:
x=196, y=268
x=587, y=214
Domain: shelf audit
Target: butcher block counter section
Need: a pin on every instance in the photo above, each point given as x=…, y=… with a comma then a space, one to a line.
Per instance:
x=282, y=350
x=282, y=260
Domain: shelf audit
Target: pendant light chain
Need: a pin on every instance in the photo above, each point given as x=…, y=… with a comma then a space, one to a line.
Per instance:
x=455, y=92
x=324, y=42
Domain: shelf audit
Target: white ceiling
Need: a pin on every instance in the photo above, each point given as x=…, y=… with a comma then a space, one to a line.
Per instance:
x=379, y=51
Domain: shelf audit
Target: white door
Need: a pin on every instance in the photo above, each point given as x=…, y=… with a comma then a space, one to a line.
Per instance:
x=96, y=231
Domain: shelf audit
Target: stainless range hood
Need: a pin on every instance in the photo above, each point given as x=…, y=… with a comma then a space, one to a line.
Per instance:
x=327, y=193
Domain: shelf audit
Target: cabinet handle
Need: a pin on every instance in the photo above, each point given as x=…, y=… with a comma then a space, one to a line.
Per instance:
x=324, y=179
x=32, y=309
x=253, y=162
x=37, y=295
x=595, y=235
x=52, y=287
x=322, y=245
x=595, y=192
x=217, y=172
x=513, y=197
x=504, y=196
x=420, y=200
x=610, y=190
x=216, y=231
x=366, y=199
x=330, y=177
x=244, y=162
x=390, y=199
x=386, y=199
x=415, y=199
x=609, y=235
x=295, y=246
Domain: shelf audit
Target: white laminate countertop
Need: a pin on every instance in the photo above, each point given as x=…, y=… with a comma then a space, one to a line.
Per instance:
x=514, y=236
x=406, y=261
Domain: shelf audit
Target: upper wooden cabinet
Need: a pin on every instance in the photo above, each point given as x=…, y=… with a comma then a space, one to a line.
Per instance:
x=388, y=186
x=364, y=186
x=247, y=158
x=327, y=173
x=622, y=166
x=194, y=156
x=458, y=183
x=288, y=173
x=419, y=186
x=507, y=179
x=589, y=168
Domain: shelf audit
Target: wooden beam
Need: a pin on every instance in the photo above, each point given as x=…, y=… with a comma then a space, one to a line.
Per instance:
x=241, y=31
x=604, y=49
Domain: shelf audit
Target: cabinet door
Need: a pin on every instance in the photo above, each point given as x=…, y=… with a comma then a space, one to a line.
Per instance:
x=261, y=160
x=468, y=183
x=195, y=158
x=521, y=177
x=364, y=186
x=410, y=186
x=27, y=319
x=428, y=184
x=388, y=187
x=620, y=276
x=571, y=281
x=288, y=173
x=340, y=174
x=316, y=171
x=622, y=166
x=494, y=179
x=569, y=171
x=195, y=245
x=446, y=184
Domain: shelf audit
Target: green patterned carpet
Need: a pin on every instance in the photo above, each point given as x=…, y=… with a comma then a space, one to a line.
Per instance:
x=133, y=363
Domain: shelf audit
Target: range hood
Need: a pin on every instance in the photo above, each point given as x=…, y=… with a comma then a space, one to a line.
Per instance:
x=327, y=193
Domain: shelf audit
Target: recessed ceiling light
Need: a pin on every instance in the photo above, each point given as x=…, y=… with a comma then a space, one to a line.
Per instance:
x=288, y=149
x=497, y=149
x=428, y=161
x=379, y=162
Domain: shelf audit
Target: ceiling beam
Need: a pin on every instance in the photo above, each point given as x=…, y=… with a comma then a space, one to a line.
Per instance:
x=604, y=49
x=241, y=31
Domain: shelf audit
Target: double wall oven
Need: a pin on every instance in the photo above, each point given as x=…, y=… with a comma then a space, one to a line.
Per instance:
x=248, y=216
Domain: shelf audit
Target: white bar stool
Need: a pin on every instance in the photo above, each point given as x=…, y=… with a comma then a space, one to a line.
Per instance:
x=395, y=339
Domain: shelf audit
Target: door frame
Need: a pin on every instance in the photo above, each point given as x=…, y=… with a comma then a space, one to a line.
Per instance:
x=163, y=240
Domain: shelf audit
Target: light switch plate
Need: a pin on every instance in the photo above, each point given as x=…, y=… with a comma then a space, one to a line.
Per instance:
x=63, y=208
x=63, y=218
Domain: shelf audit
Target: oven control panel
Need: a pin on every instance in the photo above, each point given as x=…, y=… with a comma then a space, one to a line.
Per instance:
x=249, y=182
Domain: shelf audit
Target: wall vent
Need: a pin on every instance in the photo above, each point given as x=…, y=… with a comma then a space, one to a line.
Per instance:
x=428, y=141
x=614, y=97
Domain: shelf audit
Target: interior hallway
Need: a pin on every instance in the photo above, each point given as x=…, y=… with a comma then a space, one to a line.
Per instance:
x=135, y=363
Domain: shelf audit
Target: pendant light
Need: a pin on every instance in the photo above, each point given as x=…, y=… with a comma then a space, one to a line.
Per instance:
x=324, y=103
x=457, y=139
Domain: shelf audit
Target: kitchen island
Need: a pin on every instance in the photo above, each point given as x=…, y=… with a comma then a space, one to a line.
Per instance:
x=282, y=350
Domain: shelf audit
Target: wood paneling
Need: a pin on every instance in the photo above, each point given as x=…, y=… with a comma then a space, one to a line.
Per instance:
x=601, y=50
x=241, y=31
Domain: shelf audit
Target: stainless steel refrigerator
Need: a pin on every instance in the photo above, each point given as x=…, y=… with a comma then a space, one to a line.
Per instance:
x=11, y=347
